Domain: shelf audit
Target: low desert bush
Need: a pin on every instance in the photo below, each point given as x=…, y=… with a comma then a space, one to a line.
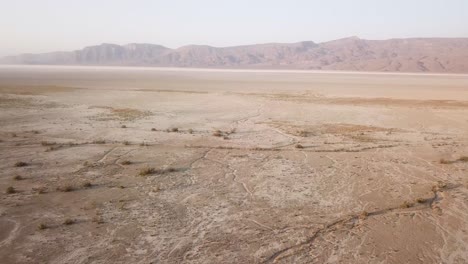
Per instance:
x=153, y=129
x=146, y=171
x=18, y=178
x=299, y=146
x=65, y=188
x=42, y=226
x=21, y=164
x=68, y=221
x=406, y=204
x=10, y=190
x=363, y=215
x=48, y=143
x=217, y=133
x=123, y=126
x=87, y=184
x=99, y=141
x=126, y=162
x=421, y=200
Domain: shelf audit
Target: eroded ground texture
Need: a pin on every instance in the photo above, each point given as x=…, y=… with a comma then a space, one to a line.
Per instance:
x=172, y=166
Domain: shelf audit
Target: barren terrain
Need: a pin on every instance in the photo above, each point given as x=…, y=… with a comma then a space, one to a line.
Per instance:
x=121, y=165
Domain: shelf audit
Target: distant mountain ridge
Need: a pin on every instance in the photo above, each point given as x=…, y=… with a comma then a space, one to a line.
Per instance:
x=449, y=55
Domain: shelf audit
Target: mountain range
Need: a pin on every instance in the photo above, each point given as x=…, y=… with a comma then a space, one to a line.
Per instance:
x=441, y=55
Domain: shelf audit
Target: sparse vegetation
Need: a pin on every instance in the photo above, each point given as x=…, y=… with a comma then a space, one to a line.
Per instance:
x=13, y=135
x=18, y=178
x=126, y=143
x=21, y=164
x=99, y=141
x=126, y=162
x=35, y=132
x=154, y=129
x=406, y=204
x=143, y=144
x=461, y=159
x=68, y=221
x=226, y=138
x=10, y=190
x=218, y=133
x=302, y=133
x=146, y=171
x=42, y=226
x=363, y=215
x=123, y=126
x=65, y=188
x=299, y=146
x=97, y=219
x=421, y=200
x=174, y=129
x=190, y=131
x=48, y=143
x=440, y=185
x=444, y=161
x=87, y=184
x=41, y=190
x=149, y=171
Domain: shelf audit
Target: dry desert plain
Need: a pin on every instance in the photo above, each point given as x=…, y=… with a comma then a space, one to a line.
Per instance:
x=141, y=165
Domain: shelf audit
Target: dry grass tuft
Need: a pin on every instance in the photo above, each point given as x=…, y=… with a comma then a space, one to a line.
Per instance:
x=66, y=188
x=87, y=184
x=421, y=200
x=126, y=162
x=42, y=226
x=126, y=143
x=154, y=129
x=48, y=143
x=302, y=133
x=406, y=204
x=190, y=131
x=99, y=141
x=143, y=144
x=41, y=190
x=123, y=126
x=299, y=146
x=174, y=129
x=461, y=159
x=21, y=164
x=363, y=215
x=97, y=219
x=218, y=133
x=13, y=135
x=10, y=190
x=18, y=178
x=68, y=221
x=147, y=171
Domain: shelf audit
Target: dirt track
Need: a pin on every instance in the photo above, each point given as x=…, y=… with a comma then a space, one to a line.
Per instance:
x=305, y=167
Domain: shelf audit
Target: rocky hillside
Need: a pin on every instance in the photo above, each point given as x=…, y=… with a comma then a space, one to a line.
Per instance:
x=353, y=54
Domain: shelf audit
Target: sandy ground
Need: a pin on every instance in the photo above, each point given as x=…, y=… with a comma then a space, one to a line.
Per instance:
x=305, y=167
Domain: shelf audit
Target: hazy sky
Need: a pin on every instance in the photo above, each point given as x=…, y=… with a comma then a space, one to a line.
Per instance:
x=50, y=25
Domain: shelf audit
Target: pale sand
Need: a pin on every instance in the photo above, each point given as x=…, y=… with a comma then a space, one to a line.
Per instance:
x=370, y=143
